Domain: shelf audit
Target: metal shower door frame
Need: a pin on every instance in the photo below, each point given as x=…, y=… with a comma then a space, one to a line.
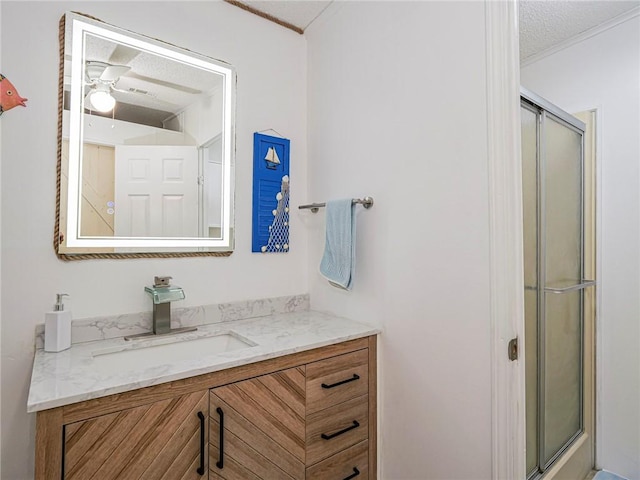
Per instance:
x=545, y=110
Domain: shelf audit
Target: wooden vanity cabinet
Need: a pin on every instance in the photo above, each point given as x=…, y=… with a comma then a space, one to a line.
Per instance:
x=308, y=415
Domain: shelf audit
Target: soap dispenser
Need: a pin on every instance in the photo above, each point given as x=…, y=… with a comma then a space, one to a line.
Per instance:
x=57, y=327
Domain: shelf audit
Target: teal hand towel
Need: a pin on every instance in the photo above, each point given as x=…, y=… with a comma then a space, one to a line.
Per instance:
x=339, y=259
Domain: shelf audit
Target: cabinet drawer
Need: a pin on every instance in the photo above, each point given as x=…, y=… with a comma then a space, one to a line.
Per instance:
x=337, y=428
x=352, y=463
x=337, y=379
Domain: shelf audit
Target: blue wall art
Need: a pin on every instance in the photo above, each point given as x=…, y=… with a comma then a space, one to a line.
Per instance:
x=270, y=194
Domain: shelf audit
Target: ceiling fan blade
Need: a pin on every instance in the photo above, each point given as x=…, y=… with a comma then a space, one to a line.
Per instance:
x=113, y=72
x=123, y=54
x=164, y=83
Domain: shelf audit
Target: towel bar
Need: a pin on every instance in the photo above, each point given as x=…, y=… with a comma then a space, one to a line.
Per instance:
x=366, y=202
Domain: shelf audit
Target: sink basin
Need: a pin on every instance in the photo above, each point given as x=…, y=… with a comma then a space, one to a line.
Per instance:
x=116, y=359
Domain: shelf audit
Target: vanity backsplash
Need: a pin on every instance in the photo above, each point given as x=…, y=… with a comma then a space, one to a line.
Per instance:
x=114, y=326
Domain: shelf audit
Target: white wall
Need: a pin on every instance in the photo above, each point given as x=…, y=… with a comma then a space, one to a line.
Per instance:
x=0, y=256
x=271, y=72
x=397, y=110
x=603, y=72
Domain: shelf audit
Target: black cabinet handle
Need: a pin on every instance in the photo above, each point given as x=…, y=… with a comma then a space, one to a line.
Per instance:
x=344, y=430
x=64, y=450
x=352, y=379
x=355, y=473
x=220, y=462
x=200, y=469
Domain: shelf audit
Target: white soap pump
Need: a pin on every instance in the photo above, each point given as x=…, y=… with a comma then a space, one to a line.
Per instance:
x=57, y=327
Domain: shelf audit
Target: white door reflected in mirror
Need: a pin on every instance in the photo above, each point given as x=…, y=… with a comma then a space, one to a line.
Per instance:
x=156, y=191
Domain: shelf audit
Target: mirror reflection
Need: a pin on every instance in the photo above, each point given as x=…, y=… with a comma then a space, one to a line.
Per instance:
x=146, y=147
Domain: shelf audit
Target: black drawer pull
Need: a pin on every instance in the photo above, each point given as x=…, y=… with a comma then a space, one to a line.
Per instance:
x=220, y=462
x=352, y=379
x=355, y=473
x=344, y=430
x=200, y=469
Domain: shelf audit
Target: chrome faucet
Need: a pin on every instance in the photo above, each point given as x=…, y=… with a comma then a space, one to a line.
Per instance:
x=162, y=294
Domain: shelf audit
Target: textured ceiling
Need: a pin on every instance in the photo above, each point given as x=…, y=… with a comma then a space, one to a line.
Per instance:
x=546, y=23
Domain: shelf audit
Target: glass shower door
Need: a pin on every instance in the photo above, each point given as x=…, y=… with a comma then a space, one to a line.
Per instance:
x=530, y=237
x=561, y=325
x=552, y=167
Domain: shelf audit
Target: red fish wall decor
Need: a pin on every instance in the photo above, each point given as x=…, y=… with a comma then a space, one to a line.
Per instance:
x=9, y=96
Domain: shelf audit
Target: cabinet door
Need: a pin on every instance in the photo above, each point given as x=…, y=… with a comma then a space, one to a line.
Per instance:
x=257, y=428
x=163, y=440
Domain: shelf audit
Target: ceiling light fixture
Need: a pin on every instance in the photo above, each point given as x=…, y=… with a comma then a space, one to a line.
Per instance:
x=102, y=100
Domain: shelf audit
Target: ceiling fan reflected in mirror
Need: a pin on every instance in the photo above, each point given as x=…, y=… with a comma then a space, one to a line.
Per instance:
x=101, y=78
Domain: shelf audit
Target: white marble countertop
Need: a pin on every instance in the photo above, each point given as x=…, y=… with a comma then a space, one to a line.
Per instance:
x=74, y=375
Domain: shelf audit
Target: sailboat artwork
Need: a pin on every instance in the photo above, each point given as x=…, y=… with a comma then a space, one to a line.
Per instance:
x=272, y=159
x=271, y=180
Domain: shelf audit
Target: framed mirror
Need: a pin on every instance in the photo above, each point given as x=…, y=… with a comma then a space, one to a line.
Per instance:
x=145, y=146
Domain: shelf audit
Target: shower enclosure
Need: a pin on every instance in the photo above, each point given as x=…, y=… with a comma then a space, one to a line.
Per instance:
x=553, y=212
